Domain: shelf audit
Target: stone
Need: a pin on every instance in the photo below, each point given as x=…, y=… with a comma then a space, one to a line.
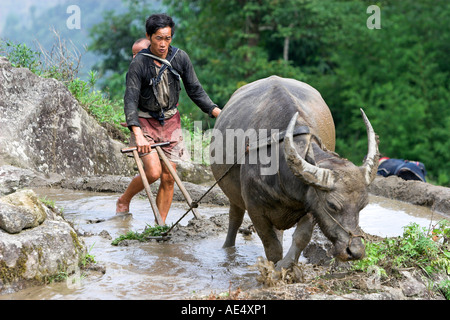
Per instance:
x=21, y=210
x=195, y=173
x=46, y=247
x=44, y=129
x=411, y=286
x=318, y=251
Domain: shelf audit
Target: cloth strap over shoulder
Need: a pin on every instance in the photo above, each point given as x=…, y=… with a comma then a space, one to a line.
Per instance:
x=166, y=64
x=154, y=82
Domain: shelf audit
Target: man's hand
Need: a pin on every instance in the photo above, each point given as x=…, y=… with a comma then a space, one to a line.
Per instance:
x=142, y=144
x=215, y=113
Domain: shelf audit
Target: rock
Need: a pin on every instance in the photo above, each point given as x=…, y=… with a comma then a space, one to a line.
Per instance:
x=195, y=173
x=411, y=286
x=21, y=210
x=44, y=129
x=13, y=179
x=45, y=246
x=105, y=234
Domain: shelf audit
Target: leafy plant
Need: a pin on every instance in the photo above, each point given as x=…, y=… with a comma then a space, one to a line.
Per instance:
x=428, y=250
x=96, y=103
x=149, y=231
x=48, y=202
x=88, y=257
x=21, y=56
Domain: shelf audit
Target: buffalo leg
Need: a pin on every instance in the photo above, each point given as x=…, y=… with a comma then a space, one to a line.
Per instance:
x=300, y=239
x=269, y=236
x=236, y=217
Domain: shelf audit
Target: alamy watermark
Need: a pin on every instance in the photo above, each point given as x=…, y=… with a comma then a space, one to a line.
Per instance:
x=74, y=20
x=374, y=20
x=252, y=146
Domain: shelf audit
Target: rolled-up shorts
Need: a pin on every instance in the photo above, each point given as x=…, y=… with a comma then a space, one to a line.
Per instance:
x=171, y=132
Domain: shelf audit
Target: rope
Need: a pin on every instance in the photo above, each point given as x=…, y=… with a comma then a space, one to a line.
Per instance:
x=349, y=232
x=195, y=204
x=267, y=141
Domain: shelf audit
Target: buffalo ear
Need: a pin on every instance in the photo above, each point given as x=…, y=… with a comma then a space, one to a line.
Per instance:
x=310, y=174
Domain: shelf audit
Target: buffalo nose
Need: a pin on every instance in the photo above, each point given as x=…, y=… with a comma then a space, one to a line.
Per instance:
x=356, y=249
x=355, y=254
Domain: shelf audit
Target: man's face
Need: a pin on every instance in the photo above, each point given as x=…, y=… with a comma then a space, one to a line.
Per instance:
x=160, y=42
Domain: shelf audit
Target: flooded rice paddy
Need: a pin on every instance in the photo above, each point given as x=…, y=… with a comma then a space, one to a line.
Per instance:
x=164, y=270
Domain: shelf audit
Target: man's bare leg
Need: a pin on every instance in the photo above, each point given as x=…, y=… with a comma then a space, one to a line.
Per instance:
x=165, y=192
x=152, y=167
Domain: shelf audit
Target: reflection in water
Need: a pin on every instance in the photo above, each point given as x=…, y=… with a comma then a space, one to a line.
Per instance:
x=386, y=218
x=176, y=271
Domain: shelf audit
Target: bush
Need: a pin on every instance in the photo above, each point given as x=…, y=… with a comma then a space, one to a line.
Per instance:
x=428, y=250
x=21, y=56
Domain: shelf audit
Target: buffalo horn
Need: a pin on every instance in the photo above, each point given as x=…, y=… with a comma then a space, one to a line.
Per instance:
x=371, y=162
x=308, y=173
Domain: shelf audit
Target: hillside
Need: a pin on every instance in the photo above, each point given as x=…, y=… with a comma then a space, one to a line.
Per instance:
x=31, y=23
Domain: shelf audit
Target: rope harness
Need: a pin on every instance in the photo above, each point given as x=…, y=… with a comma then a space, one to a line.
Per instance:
x=267, y=141
x=349, y=232
x=255, y=146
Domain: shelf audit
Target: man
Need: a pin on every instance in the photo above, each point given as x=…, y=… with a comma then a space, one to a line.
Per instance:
x=405, y=169
x=151, y=109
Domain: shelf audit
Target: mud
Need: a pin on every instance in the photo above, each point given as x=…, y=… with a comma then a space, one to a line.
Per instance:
x=414, y=192
x=193, y=265
x=436, y=198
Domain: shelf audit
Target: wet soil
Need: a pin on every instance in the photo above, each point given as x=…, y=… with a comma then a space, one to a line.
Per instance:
x=193, y=265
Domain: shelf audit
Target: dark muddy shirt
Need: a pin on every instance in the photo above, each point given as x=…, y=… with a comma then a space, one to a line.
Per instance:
x=139, y=93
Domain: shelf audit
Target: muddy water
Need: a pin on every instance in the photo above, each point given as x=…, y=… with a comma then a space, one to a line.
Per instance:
x=177, y=270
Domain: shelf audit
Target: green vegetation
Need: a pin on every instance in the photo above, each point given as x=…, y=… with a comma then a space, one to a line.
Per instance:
x=21, y=56
x=64, y=67
x=105, y=110
x=88, y=258
x=48, y=202
x=427, y=250
x=399, y=74
x=149, y=231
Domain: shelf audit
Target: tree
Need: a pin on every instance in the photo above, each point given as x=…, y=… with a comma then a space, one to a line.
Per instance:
x=400, y=75
x=113, y=38
x=227, y=41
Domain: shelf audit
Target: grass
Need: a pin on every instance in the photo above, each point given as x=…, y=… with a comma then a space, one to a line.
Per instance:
x=149, y=231
x=104, y=110
x=425, y=249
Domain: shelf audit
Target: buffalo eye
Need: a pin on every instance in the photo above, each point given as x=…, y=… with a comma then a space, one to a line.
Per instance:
x=332, y=206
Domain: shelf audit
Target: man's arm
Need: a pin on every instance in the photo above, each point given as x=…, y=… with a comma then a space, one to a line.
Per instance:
x=193, y=86
x=142, y=143
x=131, y=100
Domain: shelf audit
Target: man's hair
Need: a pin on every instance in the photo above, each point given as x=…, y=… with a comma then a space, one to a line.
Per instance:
x=158, y=21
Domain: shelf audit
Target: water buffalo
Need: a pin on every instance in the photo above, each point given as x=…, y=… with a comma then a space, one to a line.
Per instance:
x=311, y=183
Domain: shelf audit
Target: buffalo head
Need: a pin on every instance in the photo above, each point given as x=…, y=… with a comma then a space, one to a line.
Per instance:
x=337, y=192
